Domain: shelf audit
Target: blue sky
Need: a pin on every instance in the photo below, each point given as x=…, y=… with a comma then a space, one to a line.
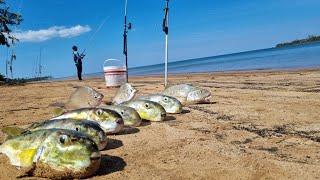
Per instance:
x=198, y=28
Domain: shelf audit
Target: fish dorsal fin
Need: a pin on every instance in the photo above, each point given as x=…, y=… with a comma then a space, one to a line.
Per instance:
x=12, y=131
x=58, y=111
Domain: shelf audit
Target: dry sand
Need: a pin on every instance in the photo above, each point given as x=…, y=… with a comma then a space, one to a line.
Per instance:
x=259, y=125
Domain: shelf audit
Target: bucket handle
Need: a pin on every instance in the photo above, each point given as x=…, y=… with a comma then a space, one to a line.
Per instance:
x=111, y=59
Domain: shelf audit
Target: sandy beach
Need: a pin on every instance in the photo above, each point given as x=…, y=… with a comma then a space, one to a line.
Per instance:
x=259, y=125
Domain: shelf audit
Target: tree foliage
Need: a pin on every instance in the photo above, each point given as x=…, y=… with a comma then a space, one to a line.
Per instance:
x=7, y=19
x=309, y=39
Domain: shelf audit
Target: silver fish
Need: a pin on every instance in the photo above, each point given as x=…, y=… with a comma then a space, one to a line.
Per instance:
x=188, y=94
x=126, y=92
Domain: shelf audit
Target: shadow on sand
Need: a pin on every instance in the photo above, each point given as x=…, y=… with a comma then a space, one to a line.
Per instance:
x=129, y=130
x=110, y=164
x=184, y=111
x=214, y=102
x=145, y=123
x=113, y=144
x=169, y=118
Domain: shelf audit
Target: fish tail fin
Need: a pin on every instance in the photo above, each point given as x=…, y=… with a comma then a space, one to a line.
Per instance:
x=58, y=111
x=12, y=131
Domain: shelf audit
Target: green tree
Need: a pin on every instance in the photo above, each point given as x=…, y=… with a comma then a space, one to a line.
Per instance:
x=7, y=19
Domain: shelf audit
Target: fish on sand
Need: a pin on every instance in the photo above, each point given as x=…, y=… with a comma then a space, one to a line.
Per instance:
x=170, y=104
x=126, y=92
x=110, y=121
x=188, y=94
x=82, y=97
x=129, y=115
x=53, y=153
x=147, y=110
x=90, y=128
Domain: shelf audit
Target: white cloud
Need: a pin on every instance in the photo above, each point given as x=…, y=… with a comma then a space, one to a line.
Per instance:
x=52, y=32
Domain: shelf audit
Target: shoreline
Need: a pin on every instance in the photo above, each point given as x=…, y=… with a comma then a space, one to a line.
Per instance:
x=73, y=78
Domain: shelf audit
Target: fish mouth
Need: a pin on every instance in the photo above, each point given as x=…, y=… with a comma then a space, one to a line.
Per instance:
x=115, y=126
x=95, y=156
x=102, y=145
x=99, y=101
x=207, y=99
x=120, y=121
x=163, y=116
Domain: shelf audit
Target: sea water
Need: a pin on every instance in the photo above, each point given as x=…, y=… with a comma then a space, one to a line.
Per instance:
x=306, y=56
x=293, y=57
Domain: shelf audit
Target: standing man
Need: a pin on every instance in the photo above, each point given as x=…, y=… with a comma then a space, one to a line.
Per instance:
x=78, y=61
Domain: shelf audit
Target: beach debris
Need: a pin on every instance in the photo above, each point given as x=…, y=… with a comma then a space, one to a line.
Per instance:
x=147, y=110
x=126, y=92
x=188, y=94
x=90, y=128
x=129, y=115
x=82, y=97
x=170, y=104
x=53, y=153
x=110, y=121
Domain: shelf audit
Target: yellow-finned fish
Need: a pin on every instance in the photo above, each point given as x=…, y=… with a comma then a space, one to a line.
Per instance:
x=53, y=153
x=170, y=104
x=147, y=110
x=90, y=128
x=110, y=121
x=129, y=115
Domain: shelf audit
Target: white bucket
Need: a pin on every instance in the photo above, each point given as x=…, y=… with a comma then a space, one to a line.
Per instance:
x=114, y=73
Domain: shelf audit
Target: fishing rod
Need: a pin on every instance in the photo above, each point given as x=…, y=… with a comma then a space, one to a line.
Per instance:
x=165, y=28
x=40, y=66
x=125, y=40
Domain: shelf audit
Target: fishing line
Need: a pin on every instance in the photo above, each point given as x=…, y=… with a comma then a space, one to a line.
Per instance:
x=95, y=33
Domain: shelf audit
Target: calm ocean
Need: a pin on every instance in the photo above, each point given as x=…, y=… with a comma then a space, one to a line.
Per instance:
x=306, y=56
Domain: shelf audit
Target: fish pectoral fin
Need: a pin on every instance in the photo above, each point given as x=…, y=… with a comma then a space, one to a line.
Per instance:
x=58, y=111
x=12, y=131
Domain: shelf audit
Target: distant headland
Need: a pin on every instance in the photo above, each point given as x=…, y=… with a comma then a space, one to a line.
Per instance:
x=310, y=39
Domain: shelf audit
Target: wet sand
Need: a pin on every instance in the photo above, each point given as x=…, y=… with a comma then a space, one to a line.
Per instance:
x=259, y=125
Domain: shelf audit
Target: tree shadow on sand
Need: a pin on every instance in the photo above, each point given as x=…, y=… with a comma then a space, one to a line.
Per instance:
x=111, y=164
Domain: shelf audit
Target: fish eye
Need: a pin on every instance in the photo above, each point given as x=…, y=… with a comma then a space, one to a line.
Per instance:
x=122, y=112
x=63, y=139
x=77, y=129
x=166, y=99
x=146, y=105
x=99, y=112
